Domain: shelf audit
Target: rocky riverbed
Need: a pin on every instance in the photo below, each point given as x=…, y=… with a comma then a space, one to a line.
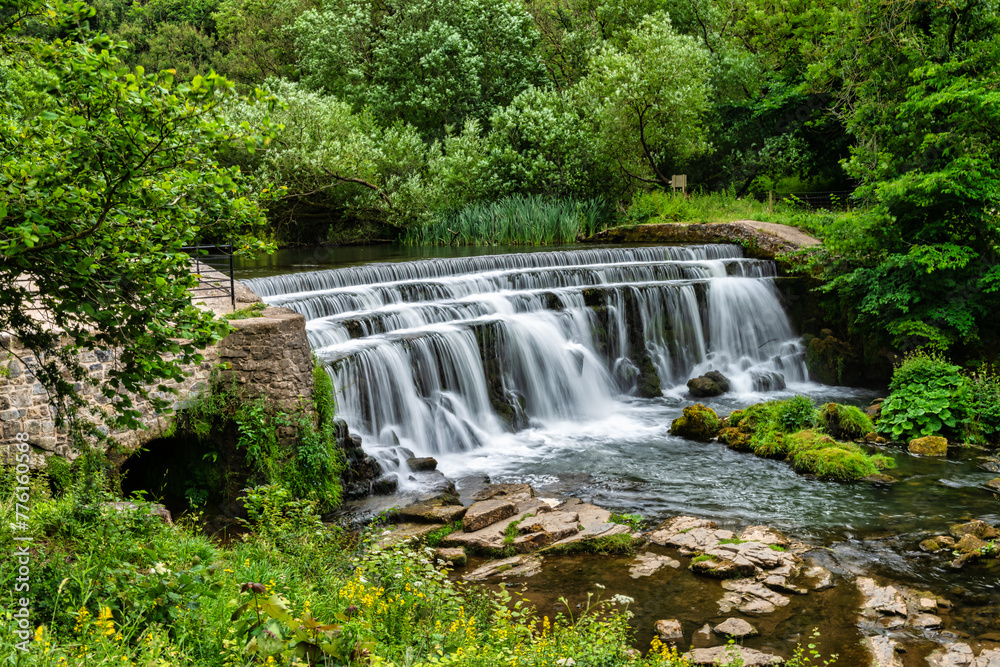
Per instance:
x=712, y=591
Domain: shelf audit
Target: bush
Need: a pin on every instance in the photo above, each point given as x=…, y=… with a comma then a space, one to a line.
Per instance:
x=929, y=396
x=985, y=390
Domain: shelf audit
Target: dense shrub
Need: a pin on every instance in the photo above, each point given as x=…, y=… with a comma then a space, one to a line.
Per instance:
x=845, y=422
x=929, y=396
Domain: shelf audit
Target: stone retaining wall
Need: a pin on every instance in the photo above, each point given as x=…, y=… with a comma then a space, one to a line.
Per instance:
x=265, y=356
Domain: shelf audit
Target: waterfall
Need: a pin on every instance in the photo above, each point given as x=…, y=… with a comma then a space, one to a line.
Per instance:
x=436, y=356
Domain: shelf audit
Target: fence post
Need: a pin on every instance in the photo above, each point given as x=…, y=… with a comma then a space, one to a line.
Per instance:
x=232, y=281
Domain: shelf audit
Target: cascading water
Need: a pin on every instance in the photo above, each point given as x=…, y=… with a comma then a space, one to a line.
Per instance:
x=443, y=356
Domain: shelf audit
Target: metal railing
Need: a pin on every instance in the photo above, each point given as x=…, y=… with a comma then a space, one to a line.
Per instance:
x=218, y=285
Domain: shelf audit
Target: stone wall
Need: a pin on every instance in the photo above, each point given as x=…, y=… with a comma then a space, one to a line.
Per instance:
x=265, y=356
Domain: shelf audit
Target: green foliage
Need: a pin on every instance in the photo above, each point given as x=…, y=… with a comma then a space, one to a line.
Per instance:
x=433, y=539
x=255, y=310
x=928, y=396
x=844, y=422
x=98, y=193
x=430, y=64
x=984, y=389
x=309, y=470
x=515, y=220
x=649, y=97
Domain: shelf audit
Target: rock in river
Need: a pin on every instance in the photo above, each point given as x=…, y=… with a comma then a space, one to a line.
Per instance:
x=932, y=445
x=697, y=423
x=712, y=383
x=725, y=655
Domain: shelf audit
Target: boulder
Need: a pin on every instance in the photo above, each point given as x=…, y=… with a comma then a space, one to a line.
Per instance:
x=820, y=577
x=485, y=513
x=931, y=445
x=669, y=631
x=697, y=423
x=994, y=484
x=726, y=655
x=988, y=658
x=719, y=379
x=969, y=544
x=404, y=532
x=979, y=528
x=702, y=638
x=989, y=464
x=926, y=621
x=736, y=628
x=722, y=568
x=515, y=492
x=705, y=386
x=425, y=463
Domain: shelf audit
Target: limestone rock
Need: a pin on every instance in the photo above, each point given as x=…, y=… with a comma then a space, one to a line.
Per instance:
x=669, y=631
x=749, y=597
x=697, y=423
x=431, y=511
x=648, y=563
x=724, y=655
x=994, y=484
x=735, y=627
x=952, y=655
x=979, y=528
x=688, y=533
x=155, y=509
x=988, y=658
x=883, y=651
x=821, y=578
x=456, y=557
x=882, y=600
x=969, y=544
x=931, y=445
x=485, y=513
x=703, y=637
x=517, y=566
x=926, y=621
x=514, y=492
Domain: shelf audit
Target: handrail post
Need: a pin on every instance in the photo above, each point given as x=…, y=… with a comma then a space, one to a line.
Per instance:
x=232, y=281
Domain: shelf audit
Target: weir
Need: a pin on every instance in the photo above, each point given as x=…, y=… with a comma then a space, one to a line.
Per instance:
x=439, y=356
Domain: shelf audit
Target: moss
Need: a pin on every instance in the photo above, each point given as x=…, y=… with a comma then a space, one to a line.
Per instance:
x=845, y=422
x=254, y=310
x=623, y=543
x=701, y=558
x=697, y=423
x=820, y=455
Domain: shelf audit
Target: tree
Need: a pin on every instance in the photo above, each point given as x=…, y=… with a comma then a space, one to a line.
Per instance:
x=919, y=93
x=650, y=97
x=429, y=63
x=99, y=191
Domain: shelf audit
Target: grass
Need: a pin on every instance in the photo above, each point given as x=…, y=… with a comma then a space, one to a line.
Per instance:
x=663, y=207
x=514, y=220
x=701, y=558
x=251, y=311
x=433, y=539
x=623, y=543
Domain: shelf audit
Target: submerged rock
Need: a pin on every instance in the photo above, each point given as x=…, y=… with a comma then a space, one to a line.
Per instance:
x=669, y=631
x=725, y=655
x=880, y=600
x=736, y=628
x=648, y=563
x=931, y=445
x=697, y=423
x=767, y=381
x=977, y=527
x=883, y=651
x=952, y=655
x=749, y=597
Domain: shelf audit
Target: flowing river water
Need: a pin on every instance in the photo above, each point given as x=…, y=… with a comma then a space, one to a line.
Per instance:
x=532, y=367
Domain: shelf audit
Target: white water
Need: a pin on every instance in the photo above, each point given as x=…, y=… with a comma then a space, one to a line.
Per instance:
x=411, y=346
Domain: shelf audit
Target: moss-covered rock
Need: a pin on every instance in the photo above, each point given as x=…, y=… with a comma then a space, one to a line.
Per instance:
x=978, y=528
x=931, y=445
x=712, y=383
x=845, y=422
x=820, y=455
x=697, y=423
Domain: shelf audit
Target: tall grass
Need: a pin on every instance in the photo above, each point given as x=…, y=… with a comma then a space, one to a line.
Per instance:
x=515, y=220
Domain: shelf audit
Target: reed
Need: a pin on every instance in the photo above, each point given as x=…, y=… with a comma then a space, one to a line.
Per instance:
x=515, y=220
